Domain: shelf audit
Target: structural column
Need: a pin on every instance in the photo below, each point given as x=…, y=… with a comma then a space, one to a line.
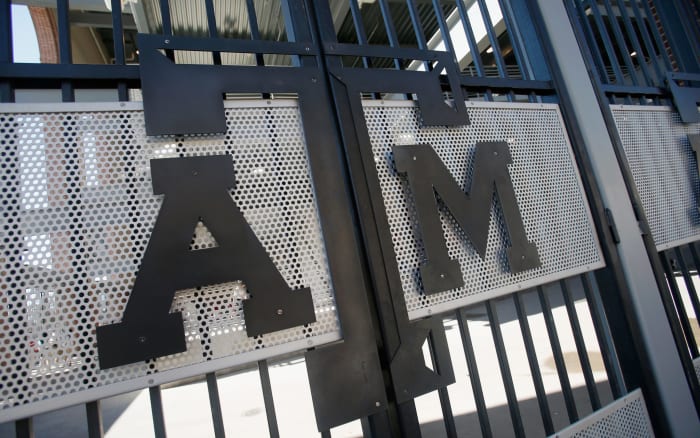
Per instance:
x=575, y=85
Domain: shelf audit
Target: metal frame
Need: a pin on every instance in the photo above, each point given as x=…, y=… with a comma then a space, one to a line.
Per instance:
x=358, y=235
x=664, y=377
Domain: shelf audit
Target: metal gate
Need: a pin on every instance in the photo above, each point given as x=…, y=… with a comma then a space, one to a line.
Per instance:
x=419, y=203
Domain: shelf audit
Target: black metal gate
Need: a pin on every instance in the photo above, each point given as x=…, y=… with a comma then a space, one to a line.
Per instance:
x=416, y=173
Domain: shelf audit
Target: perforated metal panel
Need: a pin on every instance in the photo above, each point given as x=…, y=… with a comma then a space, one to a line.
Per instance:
x=624, y=418
x=547, y=187
x=78, y=209
x=664, y=169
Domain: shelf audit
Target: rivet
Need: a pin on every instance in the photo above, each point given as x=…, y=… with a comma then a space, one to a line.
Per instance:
x=308, y=49
x=414, y=158
x=377, y=404
x=142, y=339
x=167, y=41
x=314, y=80
x=442, y=275
x=495, y=153
x=522, y=257
x=280, y=312
x=195, y=173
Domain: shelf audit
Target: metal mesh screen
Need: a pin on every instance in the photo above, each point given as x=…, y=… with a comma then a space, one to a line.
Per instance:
x=664, y=169
x=624, y=418
x=547, y=186
x=78, y=209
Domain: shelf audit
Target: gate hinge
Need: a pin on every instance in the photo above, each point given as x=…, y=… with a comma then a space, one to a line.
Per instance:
x=643, y=225
x=612, y=226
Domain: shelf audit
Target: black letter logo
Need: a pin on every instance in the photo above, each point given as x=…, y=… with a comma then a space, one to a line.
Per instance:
x=196, y=189
x=428, y=179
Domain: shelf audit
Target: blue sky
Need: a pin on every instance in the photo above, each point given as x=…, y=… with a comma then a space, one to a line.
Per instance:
x=24, y=45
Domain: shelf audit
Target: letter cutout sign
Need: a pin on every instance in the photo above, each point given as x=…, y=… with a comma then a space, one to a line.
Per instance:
x=196, y=189
x=429, y=180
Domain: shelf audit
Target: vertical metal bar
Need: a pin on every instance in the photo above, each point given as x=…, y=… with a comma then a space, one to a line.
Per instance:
x=635, y=43
x=64, y=47
x=444, y=29
x=326, y=434
x=165, y=17
x=269, y=400
x=94, y=419
x=686, y=51
x=357, y=21
x=602, y=332
x=360, y=31
x=215, y=405
x=418, y=29
x=64, y=43
x=607, y=44
x=696, y=260
x=118, y=37
x=213, y=31
x=408, y=418
x=471, y=40
x=657, y=36
x=24, y=428
x=515, y=38
x=6, y=56
x=447, y=416
x=157, y=411
x=692, y=292
x=620, y=42
x=507, y=377
x=580, y=346
x=558, y=355
x=591, y=42
x=5, y=31
x=493, y=38
x=254, y=29
x=534, y=365
x=648, y=44
x=379, y=425
x=443, y=394
x=366, y=428
x=118, y=33
x=680, y=307
x=474, y=375
x=390, y=29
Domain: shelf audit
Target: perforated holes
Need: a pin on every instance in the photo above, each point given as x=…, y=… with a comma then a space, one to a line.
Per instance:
x=546, y=184
x=664, y=170
x=78, y=210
